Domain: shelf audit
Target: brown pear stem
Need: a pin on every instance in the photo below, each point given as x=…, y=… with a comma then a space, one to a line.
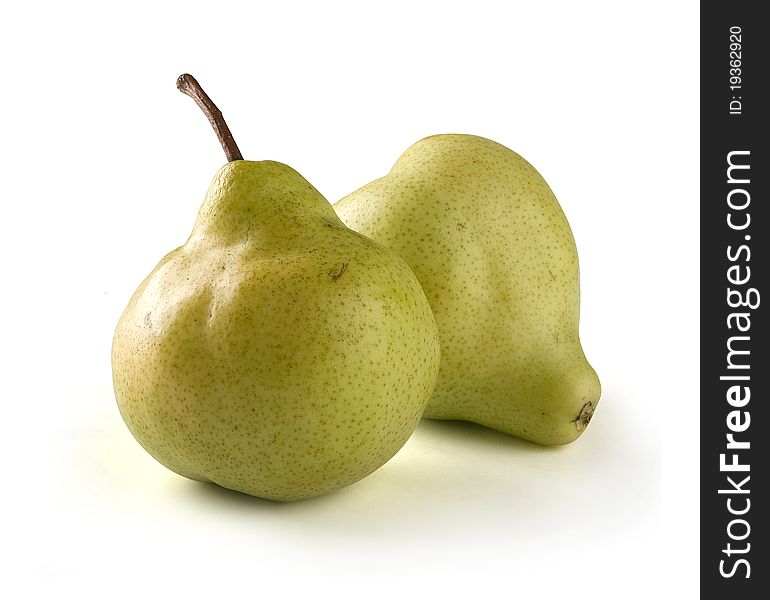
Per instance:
x=187, y=84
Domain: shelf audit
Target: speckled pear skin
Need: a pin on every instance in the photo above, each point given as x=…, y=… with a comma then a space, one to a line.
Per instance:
x=495, y=255
x=277, y=353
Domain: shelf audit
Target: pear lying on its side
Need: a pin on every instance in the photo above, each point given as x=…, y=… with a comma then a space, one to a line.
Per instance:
x=495, y=255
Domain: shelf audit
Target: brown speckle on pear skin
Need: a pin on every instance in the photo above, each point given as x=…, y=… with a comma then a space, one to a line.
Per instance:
x=335, y=274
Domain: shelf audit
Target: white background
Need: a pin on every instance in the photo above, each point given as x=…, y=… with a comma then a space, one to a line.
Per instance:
x=104, y=165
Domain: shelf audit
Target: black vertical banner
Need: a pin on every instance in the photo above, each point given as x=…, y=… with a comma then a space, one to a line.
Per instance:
x=735, y=300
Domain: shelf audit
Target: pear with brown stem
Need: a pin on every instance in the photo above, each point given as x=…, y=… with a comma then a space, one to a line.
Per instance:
x=277, y=352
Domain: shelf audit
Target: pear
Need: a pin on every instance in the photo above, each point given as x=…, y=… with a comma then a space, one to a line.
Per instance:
x=277, y=352
x=495, y=255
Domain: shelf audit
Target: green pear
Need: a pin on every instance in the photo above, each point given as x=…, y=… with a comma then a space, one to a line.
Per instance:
x=495, y=255
x=277, y=352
